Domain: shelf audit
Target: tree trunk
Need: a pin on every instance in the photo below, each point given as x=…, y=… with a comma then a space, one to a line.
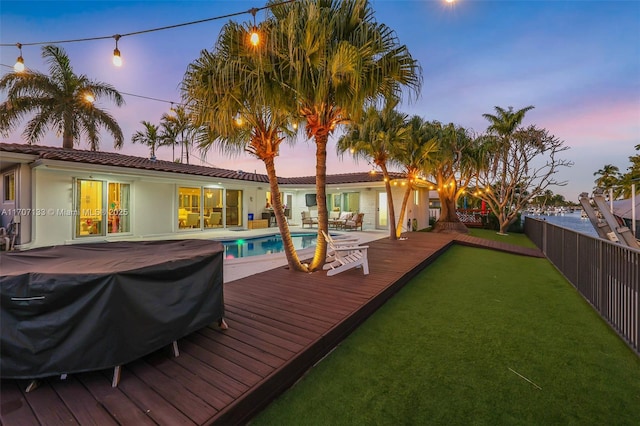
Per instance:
x=405, y=201
x=320, y=255
x=390, y=208
x=449, y=221
x=278, y=209
x=67, y=141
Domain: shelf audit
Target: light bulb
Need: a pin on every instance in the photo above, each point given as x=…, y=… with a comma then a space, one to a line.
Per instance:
x=117, y=59
x=255, y=38
x=89, y=98
x=19, y=65
x=239, y=121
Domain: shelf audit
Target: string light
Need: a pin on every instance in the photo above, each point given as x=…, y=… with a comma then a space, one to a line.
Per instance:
x=19, y=66
x=254, y=39
x=116, y=53
x=117, y=60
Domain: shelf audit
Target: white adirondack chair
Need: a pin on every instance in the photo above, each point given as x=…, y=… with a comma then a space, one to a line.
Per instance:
x=344, y=256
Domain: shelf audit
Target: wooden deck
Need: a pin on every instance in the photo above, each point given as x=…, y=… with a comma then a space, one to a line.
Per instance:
x=280, y=324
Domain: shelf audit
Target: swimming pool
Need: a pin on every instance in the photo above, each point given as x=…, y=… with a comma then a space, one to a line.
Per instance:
x=244, y=247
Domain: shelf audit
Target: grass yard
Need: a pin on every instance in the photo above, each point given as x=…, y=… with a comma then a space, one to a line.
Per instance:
x=479, y=337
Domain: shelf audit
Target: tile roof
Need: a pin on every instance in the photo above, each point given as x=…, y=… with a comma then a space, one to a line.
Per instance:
x=139, y=163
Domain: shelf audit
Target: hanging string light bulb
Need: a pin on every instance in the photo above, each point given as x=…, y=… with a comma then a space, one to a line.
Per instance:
x=117, y=59
x=254, y=38
x=19, y=65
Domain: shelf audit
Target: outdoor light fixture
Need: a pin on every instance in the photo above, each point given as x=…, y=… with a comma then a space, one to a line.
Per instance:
x=239, y=121
x=19, y=66
x=117, y=59
x=254, y=38
x=89, y=98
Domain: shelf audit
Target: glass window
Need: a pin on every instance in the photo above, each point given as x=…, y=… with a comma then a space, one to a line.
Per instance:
x=100, y=215
x=89, y=207
x=118, y=214
x=213, y=208
x=234, y=207
x=189, y=212
x=9, y=187
x=351, y=202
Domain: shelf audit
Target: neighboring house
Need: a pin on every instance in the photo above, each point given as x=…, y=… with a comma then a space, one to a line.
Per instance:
x=62, y=196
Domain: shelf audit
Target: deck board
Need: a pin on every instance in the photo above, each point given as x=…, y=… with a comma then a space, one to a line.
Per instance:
x=281, y=322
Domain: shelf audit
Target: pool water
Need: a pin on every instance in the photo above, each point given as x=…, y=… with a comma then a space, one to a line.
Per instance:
x=265, y=245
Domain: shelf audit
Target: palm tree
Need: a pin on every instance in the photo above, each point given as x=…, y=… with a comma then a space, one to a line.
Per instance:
x=62, y=101
x=609, y=178
x=177, y=129
x=336, y=58
x=150, y=137
x=501, y=129
x=495, y=152
x=414, y=155
x=373, y=138
x=239, y=106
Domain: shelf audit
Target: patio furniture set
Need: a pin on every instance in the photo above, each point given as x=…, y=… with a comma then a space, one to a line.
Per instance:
x=337, y=220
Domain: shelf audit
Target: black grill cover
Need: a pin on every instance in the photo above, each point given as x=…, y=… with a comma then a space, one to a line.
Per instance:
x=84, y=307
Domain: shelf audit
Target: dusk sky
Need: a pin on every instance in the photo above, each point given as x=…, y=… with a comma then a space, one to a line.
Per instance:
x=577, y=62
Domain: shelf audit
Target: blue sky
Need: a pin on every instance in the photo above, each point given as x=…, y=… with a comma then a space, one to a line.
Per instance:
x=577, y=62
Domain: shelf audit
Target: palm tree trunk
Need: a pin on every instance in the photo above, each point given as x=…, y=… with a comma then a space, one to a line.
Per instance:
x=405, y=201
x=67, y=141
x=278, y=209
x=320, y=255
x=390, y=208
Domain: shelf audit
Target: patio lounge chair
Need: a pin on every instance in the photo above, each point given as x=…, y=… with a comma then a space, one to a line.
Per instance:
x=346, y=257
x=354, y=222
x=345, y=241
x=308, y=220
x=8, y=236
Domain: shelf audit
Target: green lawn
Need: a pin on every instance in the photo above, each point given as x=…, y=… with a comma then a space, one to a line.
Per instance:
x=479, y=337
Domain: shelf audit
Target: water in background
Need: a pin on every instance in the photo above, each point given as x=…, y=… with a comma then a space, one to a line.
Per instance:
x=572, y=221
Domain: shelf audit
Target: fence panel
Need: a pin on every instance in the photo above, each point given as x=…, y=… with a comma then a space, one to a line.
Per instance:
x=605, y=273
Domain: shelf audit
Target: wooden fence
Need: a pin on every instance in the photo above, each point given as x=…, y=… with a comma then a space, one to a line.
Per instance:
x=605, y=273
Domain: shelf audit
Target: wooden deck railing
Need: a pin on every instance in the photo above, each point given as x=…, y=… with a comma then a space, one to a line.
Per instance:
x=605, y=273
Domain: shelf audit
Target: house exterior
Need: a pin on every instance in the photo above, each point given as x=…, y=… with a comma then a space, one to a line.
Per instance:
x=61, y=196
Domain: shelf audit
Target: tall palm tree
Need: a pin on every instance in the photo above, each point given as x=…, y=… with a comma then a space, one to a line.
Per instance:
x=239, y=106
x=414, y=155
x=373, y=139
x=177, y=129
x=61, y=101
x=502, y=127
x=150, y=137
x=336, y=58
